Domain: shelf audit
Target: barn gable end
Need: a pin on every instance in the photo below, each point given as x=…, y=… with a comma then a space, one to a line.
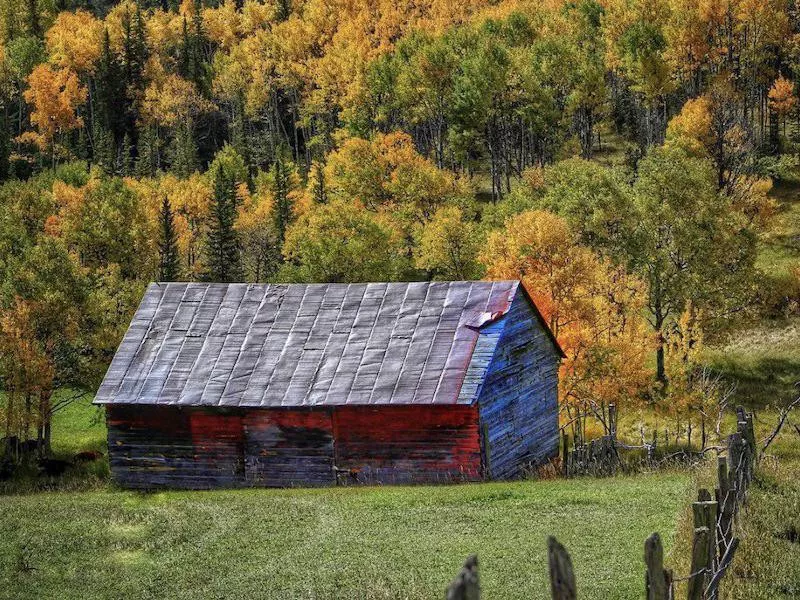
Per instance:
x=518, y=394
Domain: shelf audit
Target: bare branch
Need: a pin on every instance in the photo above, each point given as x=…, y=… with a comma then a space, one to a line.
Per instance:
x=781, y=420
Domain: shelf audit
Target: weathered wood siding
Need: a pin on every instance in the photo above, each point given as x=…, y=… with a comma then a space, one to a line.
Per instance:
x=202, y=448
x=408, y=444
x=286, y=448
x=154, y=446
x=517, y=365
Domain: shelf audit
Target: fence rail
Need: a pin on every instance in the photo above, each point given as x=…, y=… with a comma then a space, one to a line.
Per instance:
x=714, y=542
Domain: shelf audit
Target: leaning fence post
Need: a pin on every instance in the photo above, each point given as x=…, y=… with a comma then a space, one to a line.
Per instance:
x=658, y=581
x=701, y=553
x=466, y=586
x=562, y=577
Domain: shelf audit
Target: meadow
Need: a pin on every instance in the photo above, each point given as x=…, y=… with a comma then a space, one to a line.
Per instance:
x=359, y=542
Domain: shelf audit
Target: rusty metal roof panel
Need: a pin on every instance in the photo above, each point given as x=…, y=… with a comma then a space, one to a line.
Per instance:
x=279, y=345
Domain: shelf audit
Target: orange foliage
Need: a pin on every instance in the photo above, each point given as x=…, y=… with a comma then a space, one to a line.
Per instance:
x=55, y=97
x=593, y=308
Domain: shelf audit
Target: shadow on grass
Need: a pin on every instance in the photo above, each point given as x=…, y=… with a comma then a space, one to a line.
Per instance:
x=760, y=382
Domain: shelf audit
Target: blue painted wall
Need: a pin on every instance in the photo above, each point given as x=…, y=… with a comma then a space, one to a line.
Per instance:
x=517, y=365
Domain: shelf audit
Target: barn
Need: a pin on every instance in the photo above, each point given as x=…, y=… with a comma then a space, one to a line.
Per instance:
x=225, y=385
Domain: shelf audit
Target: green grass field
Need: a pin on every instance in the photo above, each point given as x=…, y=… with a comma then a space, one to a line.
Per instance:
x=362, y=542
x=391, y=542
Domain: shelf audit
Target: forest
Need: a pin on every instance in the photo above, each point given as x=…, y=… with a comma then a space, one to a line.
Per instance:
x=617, y=156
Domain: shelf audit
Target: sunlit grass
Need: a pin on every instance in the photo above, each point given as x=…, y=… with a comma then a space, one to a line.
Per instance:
x=391, y=542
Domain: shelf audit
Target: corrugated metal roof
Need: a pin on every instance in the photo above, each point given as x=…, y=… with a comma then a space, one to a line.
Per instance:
x=277, y=345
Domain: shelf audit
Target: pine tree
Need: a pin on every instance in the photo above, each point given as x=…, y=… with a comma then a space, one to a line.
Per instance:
x=148, y=158
x=184, y=150
x=320, y=189
x=110, y=105
x=223, y=259
x=33, y=20
x=103, y=148
x=169, y=265
x=281, y=186
x=125, y=161
x=5, y=147
x=192, y=64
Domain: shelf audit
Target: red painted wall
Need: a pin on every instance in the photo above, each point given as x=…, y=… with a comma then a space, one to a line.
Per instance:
x=153, y=446
x=401, y=444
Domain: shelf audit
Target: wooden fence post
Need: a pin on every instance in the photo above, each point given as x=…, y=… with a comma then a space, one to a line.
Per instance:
x=658, y=581
x=565, y=452
x=562, y=577
x=725, y=500
x=466, y=586
x=705, y=516
x=701, y=553
x=735, y=465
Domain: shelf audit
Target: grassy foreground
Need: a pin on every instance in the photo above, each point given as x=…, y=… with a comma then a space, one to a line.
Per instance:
x=392, y=542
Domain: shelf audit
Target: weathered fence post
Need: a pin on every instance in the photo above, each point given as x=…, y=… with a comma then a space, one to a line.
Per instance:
x=658, y=581
x=466, y=586
x=725, y=507
x=562, y=577
x=565, y=453
x=701, y=563
x=735, y=466
x=705, y=516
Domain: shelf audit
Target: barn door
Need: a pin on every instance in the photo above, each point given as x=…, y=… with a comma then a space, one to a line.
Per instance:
x=289, y=447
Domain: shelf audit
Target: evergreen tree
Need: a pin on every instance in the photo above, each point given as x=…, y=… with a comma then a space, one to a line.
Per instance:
x=223, y=259
x=320, y=189
x=103, y=151
x=110, y=106
x=192, y=63
x=134, y=58
x=169, y=265
x=5, y=148
x=33, y=20
x=184, y=150
x=281, y=186
x=148, y=159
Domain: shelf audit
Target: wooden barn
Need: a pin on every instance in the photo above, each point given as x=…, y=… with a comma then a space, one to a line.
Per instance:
x=300, y=385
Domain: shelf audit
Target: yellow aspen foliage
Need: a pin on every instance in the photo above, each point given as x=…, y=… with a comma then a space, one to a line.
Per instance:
x=387, y=173
x=164, y=31
x=190, y=200
x=691, y=128
x=172, y=101
x=55, y=96
x=448, y=246
x=115, y=21
x=75, y=41
x=222, y=24
x=593, y=307
x=256, y=15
